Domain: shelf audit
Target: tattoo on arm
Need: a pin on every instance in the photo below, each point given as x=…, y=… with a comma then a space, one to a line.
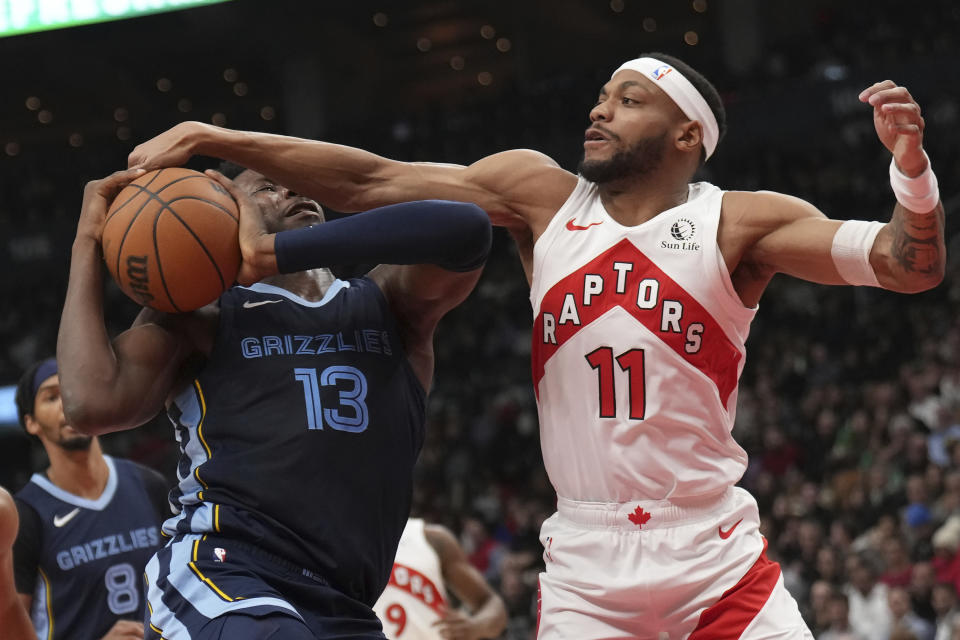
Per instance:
x=918, y=241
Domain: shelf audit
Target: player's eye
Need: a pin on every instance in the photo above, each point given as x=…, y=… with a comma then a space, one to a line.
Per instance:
x=266, y=187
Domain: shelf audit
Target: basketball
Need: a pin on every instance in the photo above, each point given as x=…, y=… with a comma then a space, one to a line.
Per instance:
x=170, y=240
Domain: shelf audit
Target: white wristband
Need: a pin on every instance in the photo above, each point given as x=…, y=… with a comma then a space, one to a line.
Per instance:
x=851, y=251
x=920, y=194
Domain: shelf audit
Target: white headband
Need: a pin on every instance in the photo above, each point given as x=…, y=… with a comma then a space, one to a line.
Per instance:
x=682, y=92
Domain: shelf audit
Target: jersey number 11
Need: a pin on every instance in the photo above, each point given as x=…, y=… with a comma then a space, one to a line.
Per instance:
x=631, y=362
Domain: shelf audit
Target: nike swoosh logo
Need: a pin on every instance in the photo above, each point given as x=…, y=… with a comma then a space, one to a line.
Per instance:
x=576, y=227
x=59, y=521
x=251, y=305
x=726, y=534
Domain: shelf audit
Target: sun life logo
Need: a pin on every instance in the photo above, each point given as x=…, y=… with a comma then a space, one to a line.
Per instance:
x=661, y=71
x=683, y=229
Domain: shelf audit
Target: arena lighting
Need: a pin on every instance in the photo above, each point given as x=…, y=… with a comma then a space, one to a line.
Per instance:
x=25, y=16
x=8, y=408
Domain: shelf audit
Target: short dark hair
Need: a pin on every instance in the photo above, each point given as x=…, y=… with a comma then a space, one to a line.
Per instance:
x=25, y=397
x=230, y=169
x=704, y=86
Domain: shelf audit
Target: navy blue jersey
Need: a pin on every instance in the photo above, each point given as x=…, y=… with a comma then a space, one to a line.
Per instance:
x=301, y=431
x=83, y=559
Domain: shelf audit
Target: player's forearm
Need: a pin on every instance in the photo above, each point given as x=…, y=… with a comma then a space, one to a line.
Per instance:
x=490, y=619
x=338, y=176
x=85, y=359
x=913, y=252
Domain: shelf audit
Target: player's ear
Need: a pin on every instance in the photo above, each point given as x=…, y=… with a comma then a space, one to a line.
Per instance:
x=32, y=426
x=690, y=136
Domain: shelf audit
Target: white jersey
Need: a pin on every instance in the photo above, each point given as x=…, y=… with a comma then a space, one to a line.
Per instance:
x=638, y=346
x=415, y=597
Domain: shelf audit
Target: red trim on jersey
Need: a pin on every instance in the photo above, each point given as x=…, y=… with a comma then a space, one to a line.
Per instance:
x=411, y=581
x=717, y=358
x=737, y=608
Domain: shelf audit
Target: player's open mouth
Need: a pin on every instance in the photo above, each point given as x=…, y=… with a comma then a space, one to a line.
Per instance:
x=594, y=138
x=307, y=206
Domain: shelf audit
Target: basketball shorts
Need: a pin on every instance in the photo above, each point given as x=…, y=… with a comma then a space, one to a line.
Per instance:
x=204, y=587
x=658, y=570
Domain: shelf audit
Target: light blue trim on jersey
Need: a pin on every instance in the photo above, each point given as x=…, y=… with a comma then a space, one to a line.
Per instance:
x=199, y=595
x=39, y=615
x=269, y=289
x=160, y=616
x=95, y=505
x=191, y=414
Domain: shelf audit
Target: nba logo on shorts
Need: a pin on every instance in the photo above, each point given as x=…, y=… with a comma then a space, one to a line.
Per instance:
x=661, y=71
x=220, y=554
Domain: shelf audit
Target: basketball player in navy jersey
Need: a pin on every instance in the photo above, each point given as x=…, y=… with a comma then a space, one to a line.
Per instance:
x=643, y=286
x=298, y=400
x=88, y=525
x=13, y=617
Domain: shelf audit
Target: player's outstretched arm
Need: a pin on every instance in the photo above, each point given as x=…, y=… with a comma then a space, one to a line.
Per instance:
x=907, y=254
x=14, y=620
x=108, y=386
x=488, y=616
x=516, y=188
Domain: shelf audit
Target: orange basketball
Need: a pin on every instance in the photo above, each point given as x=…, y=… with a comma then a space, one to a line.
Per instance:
x=170, y=240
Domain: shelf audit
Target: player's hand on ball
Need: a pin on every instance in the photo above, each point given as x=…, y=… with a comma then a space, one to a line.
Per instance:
x=899, y=125
x=97, y=196
x=256, y=243
x=125, y=630
x=171, y=148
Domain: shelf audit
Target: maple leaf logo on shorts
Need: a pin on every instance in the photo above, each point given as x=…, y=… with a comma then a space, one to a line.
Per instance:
x=639, y=517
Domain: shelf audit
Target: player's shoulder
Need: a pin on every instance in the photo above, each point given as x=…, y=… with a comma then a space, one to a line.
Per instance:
x=440, y=538
x=765, y=208
x=9, y=520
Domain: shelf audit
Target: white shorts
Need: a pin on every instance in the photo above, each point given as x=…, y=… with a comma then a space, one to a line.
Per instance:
x=656, y=570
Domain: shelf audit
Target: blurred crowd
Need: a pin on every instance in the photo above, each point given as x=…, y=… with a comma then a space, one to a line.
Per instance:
x=849, y=404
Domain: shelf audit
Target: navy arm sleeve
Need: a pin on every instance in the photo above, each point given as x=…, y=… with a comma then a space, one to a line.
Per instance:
x=452, y=235
x=26, y=549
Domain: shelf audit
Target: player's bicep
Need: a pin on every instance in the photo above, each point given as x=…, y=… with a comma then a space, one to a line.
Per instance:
x=513, y=187
x=796, y=239
x=149, y=355
x=461, y=577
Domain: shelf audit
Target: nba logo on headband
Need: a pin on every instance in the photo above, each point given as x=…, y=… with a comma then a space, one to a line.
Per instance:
x=659, y=72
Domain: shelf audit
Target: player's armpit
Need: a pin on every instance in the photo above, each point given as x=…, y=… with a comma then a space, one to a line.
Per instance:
x=419, y=295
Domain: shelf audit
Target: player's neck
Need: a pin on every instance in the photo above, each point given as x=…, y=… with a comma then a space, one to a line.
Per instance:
x=83, y=473
x=310, y=285
x=635, y=201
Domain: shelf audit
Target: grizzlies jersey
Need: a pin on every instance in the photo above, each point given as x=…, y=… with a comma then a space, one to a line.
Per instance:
x=85, y=558
x=300, y=433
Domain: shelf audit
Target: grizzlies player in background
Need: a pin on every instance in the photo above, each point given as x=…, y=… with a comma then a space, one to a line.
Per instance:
x=298, y=401
x=88, y=525
x=642, y=286
x=416, y=603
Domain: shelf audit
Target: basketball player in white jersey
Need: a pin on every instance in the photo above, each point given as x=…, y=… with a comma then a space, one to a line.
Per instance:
x=416, y=605
x=643, y=287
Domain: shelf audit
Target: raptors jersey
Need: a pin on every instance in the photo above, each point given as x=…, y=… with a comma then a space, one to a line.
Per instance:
x=415, y=597
x=638, y=345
